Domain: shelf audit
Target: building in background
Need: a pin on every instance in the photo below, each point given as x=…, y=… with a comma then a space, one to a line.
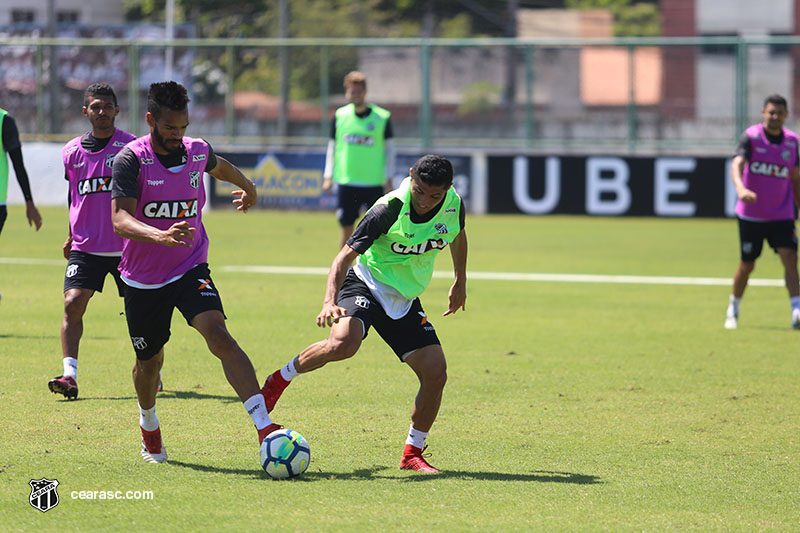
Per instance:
x=66, y=11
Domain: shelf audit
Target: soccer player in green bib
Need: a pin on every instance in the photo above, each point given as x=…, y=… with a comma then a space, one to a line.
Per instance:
x=360, y=156
x=396, y=244
x=10, y=148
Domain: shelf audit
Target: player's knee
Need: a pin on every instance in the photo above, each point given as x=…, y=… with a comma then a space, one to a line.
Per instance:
x=339, y=349
x=435, y=374
x=74, y=305
x=748, y=266
x=219, y=341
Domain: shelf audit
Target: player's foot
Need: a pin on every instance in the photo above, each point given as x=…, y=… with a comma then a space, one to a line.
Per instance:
x=731, y=318
x=160, y=386
x=414, y=460
x=65, y=385
x=262, y=433
x=153, y=450
x=796, y=318
x=273, y=388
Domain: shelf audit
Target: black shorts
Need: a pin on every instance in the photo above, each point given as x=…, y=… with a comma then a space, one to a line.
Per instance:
x=404, y=335
x=88, y=271
x=352, y=200
x=3, y=215
x=779, y=234
x=149, y=311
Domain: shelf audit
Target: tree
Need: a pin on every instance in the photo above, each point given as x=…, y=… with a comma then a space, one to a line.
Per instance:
x=639, y=19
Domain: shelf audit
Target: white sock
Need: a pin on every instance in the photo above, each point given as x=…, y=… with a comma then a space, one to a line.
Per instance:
x=148, y=419
x=289, y=372
x=70, y=367
x=416, y=437
x=795, y=302
x=257, y=410
x=734, y=305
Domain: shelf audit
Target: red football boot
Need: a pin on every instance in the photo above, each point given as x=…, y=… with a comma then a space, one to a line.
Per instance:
x=64, y=385
x=273, y=388
x=153, y=450
x=262, y=433
x=414, y=460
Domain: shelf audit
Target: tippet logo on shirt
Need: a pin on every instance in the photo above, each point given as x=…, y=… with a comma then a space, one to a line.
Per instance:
x=769, y=169
x=418, y=249
x=93, y=185
x=177, y=209
x=365, y=140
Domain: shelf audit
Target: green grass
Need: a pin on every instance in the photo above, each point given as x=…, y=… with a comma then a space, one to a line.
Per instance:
x=568, y=407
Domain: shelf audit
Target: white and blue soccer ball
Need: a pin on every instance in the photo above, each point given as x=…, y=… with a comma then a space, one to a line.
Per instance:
x=284, y=454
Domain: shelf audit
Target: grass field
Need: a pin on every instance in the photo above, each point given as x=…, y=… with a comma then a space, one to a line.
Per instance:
x=569, y=406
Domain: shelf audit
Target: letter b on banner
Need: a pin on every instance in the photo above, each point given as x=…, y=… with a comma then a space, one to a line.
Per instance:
x=616, y=185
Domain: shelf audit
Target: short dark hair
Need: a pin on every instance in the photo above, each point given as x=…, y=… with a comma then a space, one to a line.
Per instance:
x=98, y=89
x=433, y=170
x=775, y=99
x=166, y=94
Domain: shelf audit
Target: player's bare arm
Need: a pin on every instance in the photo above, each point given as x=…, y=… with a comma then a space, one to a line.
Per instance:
x=330, y=311
x=796, y=186
x=737, y=167
x=458, y=291
x=225, y=171
x=126, y=225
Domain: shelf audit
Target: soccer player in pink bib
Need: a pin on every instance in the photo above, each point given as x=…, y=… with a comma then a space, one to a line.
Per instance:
x=92, y=249
x=765, y=174
x=157, y=205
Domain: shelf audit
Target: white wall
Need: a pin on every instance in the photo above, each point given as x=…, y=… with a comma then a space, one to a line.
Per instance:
x=745, y=17
x=45, y=173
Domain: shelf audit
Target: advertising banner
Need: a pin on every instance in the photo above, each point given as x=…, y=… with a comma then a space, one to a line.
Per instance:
x=611, y=186
x=293, y=180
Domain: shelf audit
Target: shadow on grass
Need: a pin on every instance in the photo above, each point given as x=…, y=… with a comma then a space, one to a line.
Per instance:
x=366, y=474
x=538, y=476
x=246, y=472
x=178, y=395
x=11, y=336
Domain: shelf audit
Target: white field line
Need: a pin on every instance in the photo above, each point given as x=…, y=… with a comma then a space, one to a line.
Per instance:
x=491, y=276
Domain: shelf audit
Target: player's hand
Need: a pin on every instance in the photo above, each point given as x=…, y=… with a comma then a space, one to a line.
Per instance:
x=747, y=196
x=245, y=201
x=34, y=218
x=179, y=234
x=67, y=247
x=327, y=185
x=330, y=314
x=458, y=298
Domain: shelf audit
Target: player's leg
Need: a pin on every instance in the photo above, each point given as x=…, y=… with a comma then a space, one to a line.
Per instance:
x=83, y=277
x=413, y=339
x=782, y=236
x=75, y=302
x=346, y=211
x=790, y=275
x=343, y=341
x=201, y=305
x=429, y=365
x=145, y=381
x=148, y=313
x=751, y=241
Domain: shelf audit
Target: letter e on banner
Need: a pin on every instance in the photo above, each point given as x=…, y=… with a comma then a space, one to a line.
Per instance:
x=665, y=186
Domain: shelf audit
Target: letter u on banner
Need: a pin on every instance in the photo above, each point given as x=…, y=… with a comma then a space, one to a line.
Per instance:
x=552, y=186
x=596, y=185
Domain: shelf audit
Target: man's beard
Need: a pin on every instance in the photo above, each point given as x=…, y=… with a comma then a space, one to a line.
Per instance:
x=157, y=136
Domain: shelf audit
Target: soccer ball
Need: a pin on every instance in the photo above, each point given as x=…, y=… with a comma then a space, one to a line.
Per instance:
x=284, y=454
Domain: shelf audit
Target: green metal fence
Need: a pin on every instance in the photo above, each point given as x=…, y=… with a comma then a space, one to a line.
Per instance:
x=631, y=95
